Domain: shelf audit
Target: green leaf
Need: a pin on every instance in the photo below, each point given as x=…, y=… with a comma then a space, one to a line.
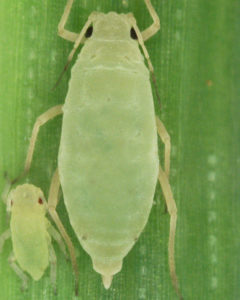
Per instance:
x=197, y=65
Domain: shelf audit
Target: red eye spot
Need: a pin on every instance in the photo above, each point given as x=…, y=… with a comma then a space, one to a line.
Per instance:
x=40, y=201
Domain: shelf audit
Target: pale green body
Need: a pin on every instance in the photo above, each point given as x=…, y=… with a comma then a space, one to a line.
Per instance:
x=108, y=159
x=30, y=238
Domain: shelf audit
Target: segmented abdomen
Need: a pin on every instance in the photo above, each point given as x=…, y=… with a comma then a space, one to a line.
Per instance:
x=108, y=161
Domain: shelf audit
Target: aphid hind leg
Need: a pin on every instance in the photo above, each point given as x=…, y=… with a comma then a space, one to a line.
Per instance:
x=153, y=29
x=52, y=204
x=165, y=137
x=41, y=120
x=62, y=32
x=53, y=267
x=18, y=271
x=3, y=237
x=172, y=210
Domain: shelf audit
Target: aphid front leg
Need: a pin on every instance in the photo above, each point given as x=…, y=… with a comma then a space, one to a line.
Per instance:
x=5, y=193
x=3, y=237
x=172, y=210
x=42, y=119
x=62, y=32
x=18, y=271
x=53, y=267
x=57, y=237
x=165, y=137
x=151, y=30
x=80, y=38
x=52, y=204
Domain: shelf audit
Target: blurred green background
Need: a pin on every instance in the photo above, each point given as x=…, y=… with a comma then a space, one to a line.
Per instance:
x=197, y=65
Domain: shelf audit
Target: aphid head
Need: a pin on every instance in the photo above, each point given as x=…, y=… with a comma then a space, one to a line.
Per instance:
x=111, y=26
x=28, y=196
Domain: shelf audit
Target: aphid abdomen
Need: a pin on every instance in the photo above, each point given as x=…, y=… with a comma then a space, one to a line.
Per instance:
x=108, y=161
x=30, y=245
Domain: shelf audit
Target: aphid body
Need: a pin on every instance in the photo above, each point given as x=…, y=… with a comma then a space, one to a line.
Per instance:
x=30, y=237
x=108, y=159
x=30, y=232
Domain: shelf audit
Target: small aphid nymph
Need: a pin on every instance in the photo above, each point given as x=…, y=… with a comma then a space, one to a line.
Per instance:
x=31, y=233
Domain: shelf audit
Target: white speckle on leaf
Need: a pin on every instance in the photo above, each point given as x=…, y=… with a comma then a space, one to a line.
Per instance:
x=212, y=240
x=173, y=172
x=32, y=33
x=213, y=259
x=173, y=150
x=32, y=55
x=142, y=293
x=84, y=3
x=214, y=282
x=30, y=94
x=33, y=11
x=53, y=56
x=30, y=73
x=29, y=115
x=179, y=14
x=212, y=159
x=143, y=270
x=211, y=176
x=177, y=36
x=212, y=216
x=212, y=195
x=125, y=3
x=143, y=250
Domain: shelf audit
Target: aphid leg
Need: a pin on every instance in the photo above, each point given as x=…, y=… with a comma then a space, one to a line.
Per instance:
x=5, y=193
x=6, y=196
x=42, y=119
x=52, y=204
x=53, y=267
x=172, y=210
x=18, y=271
x=151, y=30
x=146, y=54
x=62, y=32
x=57, y=237
x=163, y=134
x=141, y=43
x=79, y=39
x=3, y=237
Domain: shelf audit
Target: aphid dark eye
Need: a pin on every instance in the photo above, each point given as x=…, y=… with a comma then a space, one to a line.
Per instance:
x=40, y=201
x=89, y=32
x=133, y=34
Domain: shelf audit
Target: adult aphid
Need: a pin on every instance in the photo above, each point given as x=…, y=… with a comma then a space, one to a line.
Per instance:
x=108, y=159
x=31, y=233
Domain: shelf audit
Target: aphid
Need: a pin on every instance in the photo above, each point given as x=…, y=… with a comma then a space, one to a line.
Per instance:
x=30, y=232
x=108, y=159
